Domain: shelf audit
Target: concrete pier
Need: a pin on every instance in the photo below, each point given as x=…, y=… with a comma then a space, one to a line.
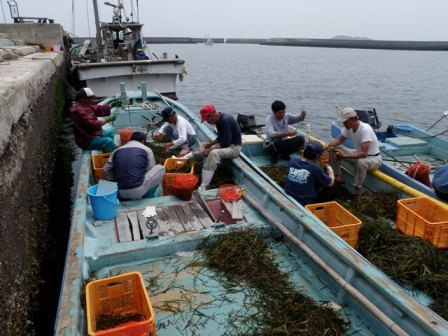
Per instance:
x=31, y=101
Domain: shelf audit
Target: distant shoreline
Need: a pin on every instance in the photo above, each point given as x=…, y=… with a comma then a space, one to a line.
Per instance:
x=305, y=42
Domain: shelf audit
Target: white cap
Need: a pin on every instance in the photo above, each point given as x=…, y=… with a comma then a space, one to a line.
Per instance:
x=346, y=114
x=89, y=92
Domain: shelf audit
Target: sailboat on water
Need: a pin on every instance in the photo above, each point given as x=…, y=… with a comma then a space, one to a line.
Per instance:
x=118, y=55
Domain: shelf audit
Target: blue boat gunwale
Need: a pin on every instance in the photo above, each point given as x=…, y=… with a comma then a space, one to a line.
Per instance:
x=346, y=262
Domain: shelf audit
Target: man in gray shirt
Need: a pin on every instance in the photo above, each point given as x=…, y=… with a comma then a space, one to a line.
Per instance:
x=280, y=141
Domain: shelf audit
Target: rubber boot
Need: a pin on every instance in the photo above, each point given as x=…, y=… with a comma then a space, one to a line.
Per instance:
x=207, y=176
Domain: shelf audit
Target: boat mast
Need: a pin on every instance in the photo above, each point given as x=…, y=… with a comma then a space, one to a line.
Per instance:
x=99, y=41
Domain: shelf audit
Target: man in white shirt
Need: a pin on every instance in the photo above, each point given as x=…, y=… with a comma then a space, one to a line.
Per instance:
x=180, y=132
x=366, y=154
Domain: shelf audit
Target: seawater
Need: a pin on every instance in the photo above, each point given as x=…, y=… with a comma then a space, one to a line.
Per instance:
x=403, y=86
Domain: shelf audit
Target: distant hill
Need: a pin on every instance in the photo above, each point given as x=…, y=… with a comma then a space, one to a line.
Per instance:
x=344, y=37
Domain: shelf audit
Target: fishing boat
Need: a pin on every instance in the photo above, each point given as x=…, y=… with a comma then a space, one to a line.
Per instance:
x=119, y=55
x=191, y=300
x=209, y=41
x=403, y=145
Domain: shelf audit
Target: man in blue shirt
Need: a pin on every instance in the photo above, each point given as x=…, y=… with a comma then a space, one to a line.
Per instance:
x=280, y=140
x=134, y=168
x=226, y=146
x=306, y=181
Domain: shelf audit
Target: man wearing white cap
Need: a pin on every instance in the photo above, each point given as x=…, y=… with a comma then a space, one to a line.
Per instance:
x=88, y=120
x=366, y=154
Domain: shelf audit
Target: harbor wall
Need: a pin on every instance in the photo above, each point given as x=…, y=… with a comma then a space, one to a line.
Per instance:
x=305, y=42
x=40, y=34
x=31, y=106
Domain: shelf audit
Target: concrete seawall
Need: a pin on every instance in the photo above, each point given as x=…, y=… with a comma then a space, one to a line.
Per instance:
x=305, y=42
x=31, y=101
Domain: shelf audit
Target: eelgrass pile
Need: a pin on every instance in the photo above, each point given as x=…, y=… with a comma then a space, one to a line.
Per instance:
x=412, y=262
x=104, y=322
x=242, y=259
x=277, y=173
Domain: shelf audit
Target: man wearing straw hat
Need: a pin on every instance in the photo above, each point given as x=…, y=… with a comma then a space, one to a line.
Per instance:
x=226, y=146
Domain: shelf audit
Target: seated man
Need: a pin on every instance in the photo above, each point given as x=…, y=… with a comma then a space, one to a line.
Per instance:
x=440, y=182
x=226, y=146
x=88, y=120
x=366, y=154
x=306, y=181
x=178, y=129
x=280, y=141
x=134, y=169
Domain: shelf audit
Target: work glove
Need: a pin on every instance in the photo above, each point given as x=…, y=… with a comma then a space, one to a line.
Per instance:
x=112, y=117
x=116, y=103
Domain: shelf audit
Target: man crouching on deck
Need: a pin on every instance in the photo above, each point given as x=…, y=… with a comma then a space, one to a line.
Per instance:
x=366, y=154
x=226, y=146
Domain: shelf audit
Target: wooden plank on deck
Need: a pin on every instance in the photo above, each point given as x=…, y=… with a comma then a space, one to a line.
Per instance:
x=183, y=217
x=122, y=224
x=163, y=222
x=201, y=215
x=173, y=218
x=132, y=216
x=197, y=224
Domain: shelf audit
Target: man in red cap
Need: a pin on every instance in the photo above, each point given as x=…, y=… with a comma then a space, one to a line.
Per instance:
x=226, y=146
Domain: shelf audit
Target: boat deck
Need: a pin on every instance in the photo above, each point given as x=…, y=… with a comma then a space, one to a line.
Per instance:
x=169, y=220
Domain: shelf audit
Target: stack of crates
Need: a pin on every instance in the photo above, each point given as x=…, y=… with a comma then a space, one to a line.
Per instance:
x=423, y=217
x=171, y=165
x=338, y=219
x=117, y=296
x=98, y=162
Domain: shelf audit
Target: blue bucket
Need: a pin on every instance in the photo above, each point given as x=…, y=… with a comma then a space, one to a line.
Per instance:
x=104, y=207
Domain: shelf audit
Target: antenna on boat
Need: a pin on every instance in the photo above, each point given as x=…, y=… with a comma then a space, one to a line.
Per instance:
x=99, y=41
x=445, y=115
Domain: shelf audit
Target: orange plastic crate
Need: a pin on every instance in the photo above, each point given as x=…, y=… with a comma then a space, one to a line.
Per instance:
x=173, y=164
x=120, y=295
x=423, y=217
x=338, y=219
x=98, y=162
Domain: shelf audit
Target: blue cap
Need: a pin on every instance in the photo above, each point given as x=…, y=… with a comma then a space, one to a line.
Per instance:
x=167, y=112
x=313, y=149
x=440, y=179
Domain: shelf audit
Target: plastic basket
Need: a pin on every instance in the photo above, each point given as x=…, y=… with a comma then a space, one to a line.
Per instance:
x=229, y=192
x=338, y=219
x=184, y=185
x=125, y=135
x=116, y=296
x=171, y=165
x=423, y=217
x=98, y=162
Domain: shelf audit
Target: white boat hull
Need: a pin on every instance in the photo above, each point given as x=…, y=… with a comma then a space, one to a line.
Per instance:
x=104, y=78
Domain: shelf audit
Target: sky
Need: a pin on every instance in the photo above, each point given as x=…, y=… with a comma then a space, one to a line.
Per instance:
x=424, y=20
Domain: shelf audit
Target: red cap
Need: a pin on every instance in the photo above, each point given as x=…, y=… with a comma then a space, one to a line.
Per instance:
x=206, y=110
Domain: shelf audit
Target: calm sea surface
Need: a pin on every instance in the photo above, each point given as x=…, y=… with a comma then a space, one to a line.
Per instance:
x=403, y=86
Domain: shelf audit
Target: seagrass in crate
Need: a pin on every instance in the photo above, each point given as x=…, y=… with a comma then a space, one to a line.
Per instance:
x=175, y=167
x=423, y=217
x=338, y=219
x=121, y=299
x=98, y=162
